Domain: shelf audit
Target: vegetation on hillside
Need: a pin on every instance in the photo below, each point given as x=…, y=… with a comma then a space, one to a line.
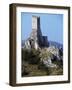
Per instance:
x=32, y=64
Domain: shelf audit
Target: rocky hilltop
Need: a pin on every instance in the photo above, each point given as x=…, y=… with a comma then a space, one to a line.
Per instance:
x=53, y=53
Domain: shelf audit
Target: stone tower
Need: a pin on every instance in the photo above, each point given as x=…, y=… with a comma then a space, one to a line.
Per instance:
x=35, y=27
x=36, y=34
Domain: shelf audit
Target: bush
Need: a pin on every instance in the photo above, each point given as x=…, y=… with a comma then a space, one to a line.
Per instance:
x=25, y=54
x=31, y=56
x=44, y=55
x=25, y=72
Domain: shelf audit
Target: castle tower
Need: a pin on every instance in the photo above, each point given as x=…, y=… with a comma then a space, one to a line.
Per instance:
x=36, y=34
x=35, y=26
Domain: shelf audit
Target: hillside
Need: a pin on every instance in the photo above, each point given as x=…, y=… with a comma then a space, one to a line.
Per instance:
x=45, y=61
x=56, y=44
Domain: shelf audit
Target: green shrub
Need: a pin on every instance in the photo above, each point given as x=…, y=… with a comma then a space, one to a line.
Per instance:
x=31, y=56
x=25, y=54
x=44, y=55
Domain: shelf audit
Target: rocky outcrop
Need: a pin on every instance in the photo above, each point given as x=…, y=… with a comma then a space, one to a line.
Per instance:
x=48, y=63
x=50, y=55
x=54, y=51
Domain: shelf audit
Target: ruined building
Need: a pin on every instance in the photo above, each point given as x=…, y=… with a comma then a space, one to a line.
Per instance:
x=36, y=39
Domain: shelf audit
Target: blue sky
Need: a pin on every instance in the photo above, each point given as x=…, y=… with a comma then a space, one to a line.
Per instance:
x=51, y=25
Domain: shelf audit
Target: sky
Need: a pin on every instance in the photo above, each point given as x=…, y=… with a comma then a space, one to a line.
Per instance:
x=51, y=25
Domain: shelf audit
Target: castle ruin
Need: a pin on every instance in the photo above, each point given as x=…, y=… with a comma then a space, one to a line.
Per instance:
x=36, y=39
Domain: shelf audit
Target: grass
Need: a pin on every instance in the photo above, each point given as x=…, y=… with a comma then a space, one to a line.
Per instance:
x=34, y=70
